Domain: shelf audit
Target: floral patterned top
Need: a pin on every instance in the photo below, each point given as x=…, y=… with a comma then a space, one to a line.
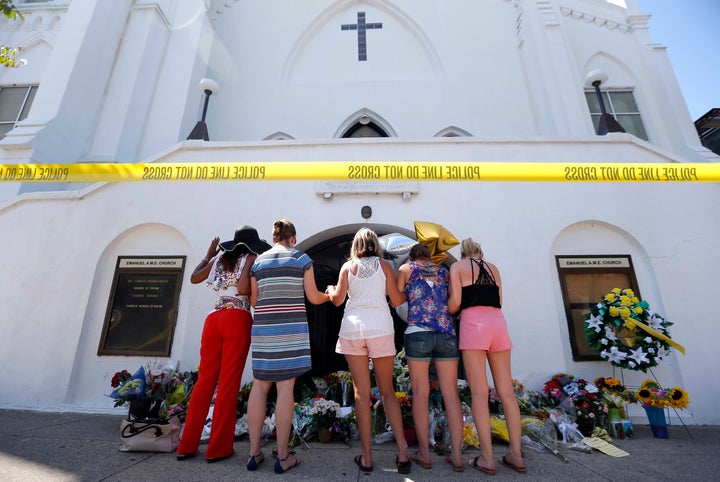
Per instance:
x=427, y=296
x=221, y=280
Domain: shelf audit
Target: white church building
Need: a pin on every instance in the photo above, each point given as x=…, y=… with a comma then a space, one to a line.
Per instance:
x=372, y=81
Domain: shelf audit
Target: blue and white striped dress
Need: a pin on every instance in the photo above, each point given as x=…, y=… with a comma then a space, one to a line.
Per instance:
x=280, y=340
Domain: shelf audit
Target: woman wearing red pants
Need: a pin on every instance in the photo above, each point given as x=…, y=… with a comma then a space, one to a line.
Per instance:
x=224, y=345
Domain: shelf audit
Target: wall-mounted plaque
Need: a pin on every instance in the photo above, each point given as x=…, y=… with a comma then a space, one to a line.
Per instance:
x=142, y=308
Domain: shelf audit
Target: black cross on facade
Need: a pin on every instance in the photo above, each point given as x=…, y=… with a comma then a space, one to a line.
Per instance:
x=361, y=27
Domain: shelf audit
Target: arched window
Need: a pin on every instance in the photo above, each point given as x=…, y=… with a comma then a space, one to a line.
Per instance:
x=370, y=129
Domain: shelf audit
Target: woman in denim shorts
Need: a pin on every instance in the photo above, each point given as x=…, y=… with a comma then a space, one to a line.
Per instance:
x=430, y=336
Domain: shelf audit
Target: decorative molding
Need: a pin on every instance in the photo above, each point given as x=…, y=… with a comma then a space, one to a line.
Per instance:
x=518, y=21
x=548, y=13
x=599, y=21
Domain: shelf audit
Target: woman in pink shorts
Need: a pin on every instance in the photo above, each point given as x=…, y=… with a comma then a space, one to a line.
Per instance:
x=476, y=290
x=367, y=333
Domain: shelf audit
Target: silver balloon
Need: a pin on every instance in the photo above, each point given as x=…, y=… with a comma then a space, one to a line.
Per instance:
x=396, y=247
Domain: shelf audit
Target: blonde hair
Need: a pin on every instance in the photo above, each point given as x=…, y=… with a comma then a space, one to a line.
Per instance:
x=470, y=249
x=283, y=230
x=365, y=244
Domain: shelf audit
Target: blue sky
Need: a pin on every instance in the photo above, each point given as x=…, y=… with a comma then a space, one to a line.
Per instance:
x=690, y=29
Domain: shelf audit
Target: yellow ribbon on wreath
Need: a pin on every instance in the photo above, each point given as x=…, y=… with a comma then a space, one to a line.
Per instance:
x=630, y=324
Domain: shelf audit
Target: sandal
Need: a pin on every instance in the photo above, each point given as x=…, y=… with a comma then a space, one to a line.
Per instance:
x=415, y=458
x=403, y=467
x=503, y=460
x=364, y=468
x=274, y=453
x=474, y=464
x=278, y=465
x=456, y=468
x=254, y=461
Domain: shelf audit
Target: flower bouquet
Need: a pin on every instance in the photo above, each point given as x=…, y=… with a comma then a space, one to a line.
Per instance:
x=656, y=399
x=652, y=394
x=405, y=409
x=627, y=333
x=326, y=417
x=153, y=391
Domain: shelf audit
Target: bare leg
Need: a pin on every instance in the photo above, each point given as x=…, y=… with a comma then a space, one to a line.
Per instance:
x=475, y=362
x=420, y=382
x=384, y=377
x=502, y=378
x=360, y=371
x=447, y=376
x=256, y=413
x=284, y=409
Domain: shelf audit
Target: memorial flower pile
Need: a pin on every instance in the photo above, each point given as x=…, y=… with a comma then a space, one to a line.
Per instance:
x=167, y=389
x=577, y=397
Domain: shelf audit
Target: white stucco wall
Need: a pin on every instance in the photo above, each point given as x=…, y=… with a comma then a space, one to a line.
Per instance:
x=521, y=226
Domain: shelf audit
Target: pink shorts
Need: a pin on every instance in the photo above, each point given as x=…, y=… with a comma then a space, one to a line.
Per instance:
x=484, y=328
x=372, y=347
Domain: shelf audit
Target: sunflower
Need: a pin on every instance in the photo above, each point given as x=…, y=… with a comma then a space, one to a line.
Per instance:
x=645, y=395
x=679, y=398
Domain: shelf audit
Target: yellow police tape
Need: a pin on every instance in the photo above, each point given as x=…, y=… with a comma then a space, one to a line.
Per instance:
x=362, y=171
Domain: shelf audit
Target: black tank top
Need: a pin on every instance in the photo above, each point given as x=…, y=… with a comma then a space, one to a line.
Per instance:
x=484, y=291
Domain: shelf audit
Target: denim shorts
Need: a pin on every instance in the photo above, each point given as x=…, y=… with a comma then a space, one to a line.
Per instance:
x=428, y=345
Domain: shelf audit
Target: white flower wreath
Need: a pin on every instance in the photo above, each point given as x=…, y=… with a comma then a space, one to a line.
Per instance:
x=612, y=329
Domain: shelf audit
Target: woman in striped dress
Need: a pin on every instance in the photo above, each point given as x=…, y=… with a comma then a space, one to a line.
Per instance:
x=279, y=280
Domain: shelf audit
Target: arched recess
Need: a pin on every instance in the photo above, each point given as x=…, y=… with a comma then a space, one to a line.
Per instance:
x=278, y=136
x=89, y=373
x=453, y=131
x=593, y=237
x=365, y=117
x=301, y=62
x=620, y=76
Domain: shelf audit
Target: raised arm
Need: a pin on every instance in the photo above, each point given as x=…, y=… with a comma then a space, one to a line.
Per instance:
x=202, y=270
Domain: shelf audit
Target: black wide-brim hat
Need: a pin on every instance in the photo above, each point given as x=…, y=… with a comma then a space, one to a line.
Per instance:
x=246, y=237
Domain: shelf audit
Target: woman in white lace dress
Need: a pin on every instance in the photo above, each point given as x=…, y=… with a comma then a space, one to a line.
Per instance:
x=367, y=333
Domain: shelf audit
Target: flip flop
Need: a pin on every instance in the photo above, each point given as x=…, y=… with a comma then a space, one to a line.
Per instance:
x=456, y=468
x=279, y=468
x=364, y=468
x=403, y=467
x=414, y=457
x=503, y=460
x=474, y=464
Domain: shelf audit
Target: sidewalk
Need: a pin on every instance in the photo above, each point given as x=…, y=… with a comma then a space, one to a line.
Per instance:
x=40, y=446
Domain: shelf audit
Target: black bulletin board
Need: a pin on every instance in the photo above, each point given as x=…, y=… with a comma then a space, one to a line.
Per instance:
x=143, y=306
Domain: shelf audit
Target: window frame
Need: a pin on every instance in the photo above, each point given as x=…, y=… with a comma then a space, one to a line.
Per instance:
x=588, y=268
x=607, y=96
x=30, y=89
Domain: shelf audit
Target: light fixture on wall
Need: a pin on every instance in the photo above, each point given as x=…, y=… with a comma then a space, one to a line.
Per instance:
x=364, y=119
x=200, y=131
x=607, y=123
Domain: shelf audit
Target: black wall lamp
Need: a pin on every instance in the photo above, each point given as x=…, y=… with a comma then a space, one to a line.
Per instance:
x=607, y=123
x=200, y=131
